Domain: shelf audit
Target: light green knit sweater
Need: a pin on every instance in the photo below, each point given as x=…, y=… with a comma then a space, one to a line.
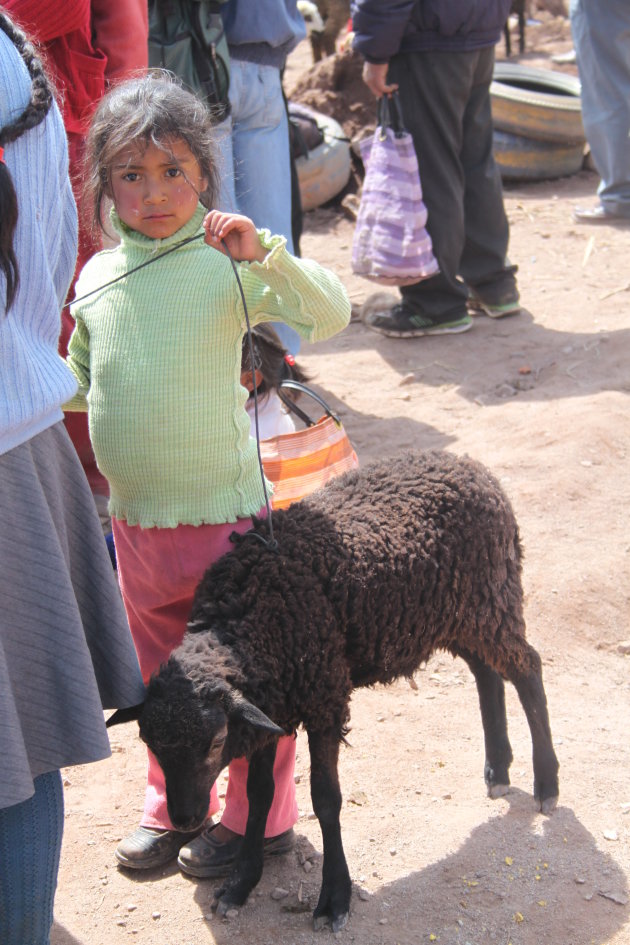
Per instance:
x=158, y=360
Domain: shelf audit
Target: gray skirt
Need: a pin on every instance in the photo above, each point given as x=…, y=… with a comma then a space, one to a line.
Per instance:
x=65, y=648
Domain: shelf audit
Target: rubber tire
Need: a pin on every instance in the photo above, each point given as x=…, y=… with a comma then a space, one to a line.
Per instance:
x=552, y=111
x=326, y=170
x=521, y=158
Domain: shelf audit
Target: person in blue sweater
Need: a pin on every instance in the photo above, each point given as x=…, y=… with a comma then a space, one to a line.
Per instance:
x=66, y=652
x=440, y=58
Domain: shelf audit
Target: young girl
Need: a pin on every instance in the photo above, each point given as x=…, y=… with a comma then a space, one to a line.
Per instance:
x=157, y=354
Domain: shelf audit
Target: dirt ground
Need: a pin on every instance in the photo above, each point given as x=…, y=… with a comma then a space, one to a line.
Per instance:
x=542, y=399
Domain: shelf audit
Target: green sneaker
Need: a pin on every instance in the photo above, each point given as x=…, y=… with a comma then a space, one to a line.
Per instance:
x=508, y=305
x=398, y=322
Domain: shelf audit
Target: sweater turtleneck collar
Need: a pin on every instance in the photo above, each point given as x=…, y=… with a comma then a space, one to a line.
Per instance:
x=130, y=237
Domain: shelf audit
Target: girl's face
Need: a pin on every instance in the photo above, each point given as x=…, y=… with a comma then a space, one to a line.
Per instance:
x=247, y=380
x=156, y=189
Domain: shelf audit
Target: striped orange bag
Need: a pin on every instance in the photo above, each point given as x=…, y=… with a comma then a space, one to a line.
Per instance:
x=298, y=463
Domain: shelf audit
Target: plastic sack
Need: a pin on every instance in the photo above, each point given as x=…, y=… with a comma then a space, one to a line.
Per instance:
x=391, y=245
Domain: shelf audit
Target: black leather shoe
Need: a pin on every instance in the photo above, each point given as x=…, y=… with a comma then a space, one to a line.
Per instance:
x=206, y=856
x=147, y=848
x=599, y=214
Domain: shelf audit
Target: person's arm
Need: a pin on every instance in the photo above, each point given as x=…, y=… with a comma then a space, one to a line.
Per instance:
x=378, y=31
x=45, y=20
x=121, y=30
x=277, y=286
x=375, y=77
x=78, y=361
x=378, y=27
x=298, y=292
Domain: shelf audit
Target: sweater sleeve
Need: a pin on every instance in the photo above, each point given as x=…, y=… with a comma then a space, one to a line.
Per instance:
x=378, y=27
x=78, y=361
x=298, y=292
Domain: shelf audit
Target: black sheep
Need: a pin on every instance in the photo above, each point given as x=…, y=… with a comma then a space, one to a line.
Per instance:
x=372, y=574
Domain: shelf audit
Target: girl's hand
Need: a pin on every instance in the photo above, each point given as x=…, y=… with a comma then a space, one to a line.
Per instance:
x=238, y=233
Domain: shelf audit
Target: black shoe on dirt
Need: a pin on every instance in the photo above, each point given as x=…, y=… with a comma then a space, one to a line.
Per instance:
x=398, y=322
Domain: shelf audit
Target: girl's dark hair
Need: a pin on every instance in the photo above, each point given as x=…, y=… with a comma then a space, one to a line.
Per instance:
x=151, y=109
x=33, y=114
x=272, y=360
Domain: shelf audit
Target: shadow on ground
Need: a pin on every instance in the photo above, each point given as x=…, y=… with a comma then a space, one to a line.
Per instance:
x=520, y=878
x=60, y=936
x=515, y=357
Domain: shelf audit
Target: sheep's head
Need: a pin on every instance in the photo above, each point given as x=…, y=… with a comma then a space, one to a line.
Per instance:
x=194, y=732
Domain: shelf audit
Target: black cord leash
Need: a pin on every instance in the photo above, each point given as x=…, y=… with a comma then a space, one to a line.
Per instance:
x=166, y=252
x=271, y=542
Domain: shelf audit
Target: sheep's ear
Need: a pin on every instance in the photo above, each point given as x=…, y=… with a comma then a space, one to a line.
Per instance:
x=130, y=714
x=244, y=711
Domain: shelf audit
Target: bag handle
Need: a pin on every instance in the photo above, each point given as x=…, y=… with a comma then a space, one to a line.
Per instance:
x=390, y=114
x=293, y=407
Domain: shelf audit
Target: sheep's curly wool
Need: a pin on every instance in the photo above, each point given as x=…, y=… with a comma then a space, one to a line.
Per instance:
x=373, y=574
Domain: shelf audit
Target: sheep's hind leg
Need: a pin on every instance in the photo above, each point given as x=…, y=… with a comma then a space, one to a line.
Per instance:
x=334, y=898
x=491, y=693
x=249, y=865
x=531, y=692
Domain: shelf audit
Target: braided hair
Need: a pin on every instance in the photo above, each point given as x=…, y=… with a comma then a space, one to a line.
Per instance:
x=33, y=114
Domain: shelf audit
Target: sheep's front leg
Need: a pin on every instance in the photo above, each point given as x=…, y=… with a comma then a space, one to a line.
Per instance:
x=249, y=864
x=334, y=898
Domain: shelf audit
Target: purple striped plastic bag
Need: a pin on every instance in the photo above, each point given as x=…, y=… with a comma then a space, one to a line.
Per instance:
x=391, y=245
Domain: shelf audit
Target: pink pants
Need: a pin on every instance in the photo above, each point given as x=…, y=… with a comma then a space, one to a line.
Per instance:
x=158, y=570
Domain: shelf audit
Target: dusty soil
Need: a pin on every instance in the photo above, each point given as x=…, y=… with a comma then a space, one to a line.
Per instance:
x=542, y=399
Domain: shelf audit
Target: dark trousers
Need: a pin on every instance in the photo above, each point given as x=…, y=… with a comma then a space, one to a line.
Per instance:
x=445, y=100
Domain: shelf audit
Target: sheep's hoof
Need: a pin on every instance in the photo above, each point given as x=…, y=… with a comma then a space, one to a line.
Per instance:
x=217, y=892
x=337, y=923
x=222, y=903
x=548, y=805
x=498, y=790
x=222, y=908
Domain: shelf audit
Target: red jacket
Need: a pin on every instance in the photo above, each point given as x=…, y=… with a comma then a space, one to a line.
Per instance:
x=85, y=44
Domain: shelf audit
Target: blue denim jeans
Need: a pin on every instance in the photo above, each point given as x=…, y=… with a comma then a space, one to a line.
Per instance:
x=601, y=37
x=30, y=847
x=256, y=164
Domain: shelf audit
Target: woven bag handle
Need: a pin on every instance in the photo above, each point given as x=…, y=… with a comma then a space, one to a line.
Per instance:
x=293, y=407
x=390, y=114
